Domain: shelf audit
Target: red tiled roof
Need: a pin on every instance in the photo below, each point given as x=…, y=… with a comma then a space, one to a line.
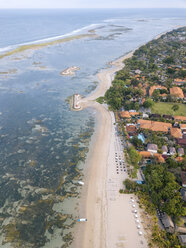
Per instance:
x=131, y=128
x=183, y=126
x=179, y=159
x=155, y=87
x=176, y=91
x=145, y=154
x=154, y=125
x=180, y=118
x=127, y=114
x=176, y=133
x=158, y=156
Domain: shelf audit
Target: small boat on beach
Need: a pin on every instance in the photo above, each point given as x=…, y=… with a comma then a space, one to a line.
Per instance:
x=81, y=183
x=82, y=220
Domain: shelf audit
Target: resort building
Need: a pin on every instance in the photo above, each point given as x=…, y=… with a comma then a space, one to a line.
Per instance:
x=180, y=118
x=182, y=239
x=180, y=152
x=147, y=156
x=179, y=81
x=177, y=92
x=131, y=130
x=153, y=148
x=168, y=223
x=183, y=127
x=156, y=87
x=181, y=142
x=168, y=117
x=176, y=133
x=164, y=150
x=128, y=114
x=155, y=126
x=172, y=151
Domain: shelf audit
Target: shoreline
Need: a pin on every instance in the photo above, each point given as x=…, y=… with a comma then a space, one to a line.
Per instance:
x=98, y=231
x=93, y=195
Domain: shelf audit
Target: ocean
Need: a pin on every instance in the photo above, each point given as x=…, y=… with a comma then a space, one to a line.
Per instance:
x=43, y=144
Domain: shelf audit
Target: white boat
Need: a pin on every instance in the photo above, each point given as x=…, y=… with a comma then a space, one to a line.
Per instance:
x=82, y=220
x=81, y=183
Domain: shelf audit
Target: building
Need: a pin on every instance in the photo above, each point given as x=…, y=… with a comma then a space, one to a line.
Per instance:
x=180, y=152
x=183, y=178
x=149, y=155
x=183, y=127
x=181, y=142
x=159, y=158
x=177, y=92
x=172, y=151
x=131, y=130
x=145, y=115
x=164, y=150
x=179, y=81
x=137, y=71
x=156, y=87
x=128, y=114
x=155, y=126
x=180, y=118
x=125, y=114
x=152, y=148
x=168, y=117
x=76, y=99
x=182, y=239
x=155, y=116
x=168, y=223
x=176, y=133
x=179, y=159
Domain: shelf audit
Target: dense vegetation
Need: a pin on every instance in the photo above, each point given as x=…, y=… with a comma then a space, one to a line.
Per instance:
x=164, y=190
x=151, y=64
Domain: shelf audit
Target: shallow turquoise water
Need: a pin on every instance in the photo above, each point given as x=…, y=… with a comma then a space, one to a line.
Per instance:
x=41, y=139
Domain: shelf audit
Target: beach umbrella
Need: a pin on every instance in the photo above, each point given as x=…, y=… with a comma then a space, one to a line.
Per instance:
x=138, y=226
x=134, y=205
x=135, y=211
x=140, y=233
x=137, y=221
x=136, y=215
x=132, y=200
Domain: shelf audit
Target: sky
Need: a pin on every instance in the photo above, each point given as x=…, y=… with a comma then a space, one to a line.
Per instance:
x=92, y=4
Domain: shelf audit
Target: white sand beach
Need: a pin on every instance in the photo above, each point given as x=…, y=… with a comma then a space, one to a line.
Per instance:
x=111, y=222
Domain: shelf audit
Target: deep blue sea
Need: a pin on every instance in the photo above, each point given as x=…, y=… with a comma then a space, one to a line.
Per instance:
x=43, y=144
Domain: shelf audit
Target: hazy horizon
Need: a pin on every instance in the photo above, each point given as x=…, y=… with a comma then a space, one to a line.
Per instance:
x=97, y=4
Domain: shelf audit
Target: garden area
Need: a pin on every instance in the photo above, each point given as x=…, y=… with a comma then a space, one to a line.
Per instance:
x=168, y=109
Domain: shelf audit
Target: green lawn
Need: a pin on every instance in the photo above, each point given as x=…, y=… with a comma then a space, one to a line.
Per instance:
x=166, y=108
